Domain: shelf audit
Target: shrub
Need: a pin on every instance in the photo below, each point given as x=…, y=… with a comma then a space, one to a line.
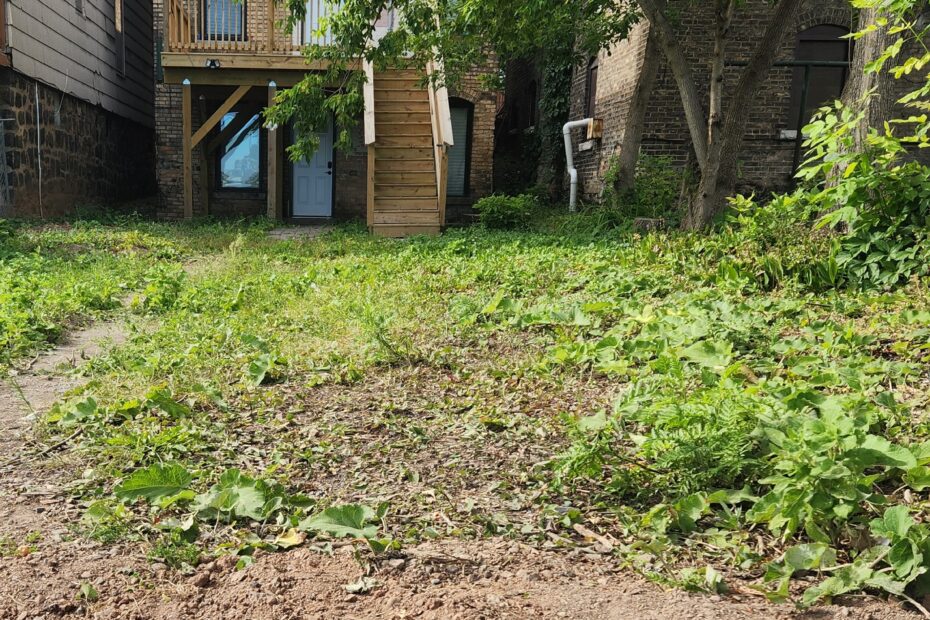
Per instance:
x=506, y=212
x=655, y=194
x=880, y=201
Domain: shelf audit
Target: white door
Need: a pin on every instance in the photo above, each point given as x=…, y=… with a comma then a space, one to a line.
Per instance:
x=313, y=180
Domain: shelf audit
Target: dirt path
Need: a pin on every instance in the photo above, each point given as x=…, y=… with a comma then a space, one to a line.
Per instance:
x=44, y=565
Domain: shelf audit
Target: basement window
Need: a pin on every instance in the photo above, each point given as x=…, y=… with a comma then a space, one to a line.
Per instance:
x=239, y=163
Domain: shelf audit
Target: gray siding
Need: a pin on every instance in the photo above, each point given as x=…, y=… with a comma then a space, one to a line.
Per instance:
x=54, y=43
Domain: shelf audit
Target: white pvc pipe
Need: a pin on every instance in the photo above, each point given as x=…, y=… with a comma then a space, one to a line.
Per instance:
x=570, y=160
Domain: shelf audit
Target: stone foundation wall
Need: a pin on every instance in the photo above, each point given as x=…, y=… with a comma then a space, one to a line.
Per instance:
x=88, y=155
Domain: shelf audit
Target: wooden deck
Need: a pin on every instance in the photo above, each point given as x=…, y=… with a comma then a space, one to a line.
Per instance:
x=241, y=44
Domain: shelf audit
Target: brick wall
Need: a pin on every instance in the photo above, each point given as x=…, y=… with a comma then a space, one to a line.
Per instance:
x=88, y=155
x=766, y=159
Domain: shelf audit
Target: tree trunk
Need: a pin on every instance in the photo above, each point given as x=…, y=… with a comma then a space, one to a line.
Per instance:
x=684, y=76
x=636, y=117
x=723, y=16
x=718, y=174
x=879, y=107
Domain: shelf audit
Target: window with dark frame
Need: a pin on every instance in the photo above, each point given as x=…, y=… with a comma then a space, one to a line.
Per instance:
x=590, y=100
x=239, y=160
x=821, y=43
x=459, y=156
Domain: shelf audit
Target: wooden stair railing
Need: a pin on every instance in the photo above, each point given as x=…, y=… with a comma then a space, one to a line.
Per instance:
x=442, y=134
x=405, y=169
x=237, y=26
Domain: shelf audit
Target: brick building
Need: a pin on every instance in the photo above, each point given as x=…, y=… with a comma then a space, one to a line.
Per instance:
x=223, y=60
x=603, y=89
x=76, y=103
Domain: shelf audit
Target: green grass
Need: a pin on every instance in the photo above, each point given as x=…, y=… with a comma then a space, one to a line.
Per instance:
x=706, y=400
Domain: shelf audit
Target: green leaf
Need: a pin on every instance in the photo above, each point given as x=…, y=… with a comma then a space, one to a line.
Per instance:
x=918, y=478
x=258, y=369
x=593, y=423
x=689, y=510
x=844, y=580
x=88, y=593
x=340, y=521
x=809, y=556
x=894, y=524
x=877, y=450
x=709, y=354
x=154, y=483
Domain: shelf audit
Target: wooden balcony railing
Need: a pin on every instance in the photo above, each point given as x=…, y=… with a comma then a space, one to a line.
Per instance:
x=243, y=26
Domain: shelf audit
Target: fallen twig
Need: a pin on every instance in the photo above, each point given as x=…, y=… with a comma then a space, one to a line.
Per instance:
x=48, y=449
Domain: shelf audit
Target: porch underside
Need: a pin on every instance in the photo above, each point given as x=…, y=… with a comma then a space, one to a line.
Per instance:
x=405, y=169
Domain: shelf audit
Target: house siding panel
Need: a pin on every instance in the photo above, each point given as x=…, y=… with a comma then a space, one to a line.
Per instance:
x=52, y=43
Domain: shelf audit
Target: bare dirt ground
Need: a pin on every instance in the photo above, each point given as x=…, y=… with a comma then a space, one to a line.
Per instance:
x=44, y=565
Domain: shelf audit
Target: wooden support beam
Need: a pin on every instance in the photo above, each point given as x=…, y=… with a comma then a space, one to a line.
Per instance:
x=275, y=164
x=204, y=165
x=230, y=130
x=187, y=150
x=221, y=111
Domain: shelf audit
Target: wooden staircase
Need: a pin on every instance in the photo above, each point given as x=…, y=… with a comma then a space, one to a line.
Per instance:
x=406, y=167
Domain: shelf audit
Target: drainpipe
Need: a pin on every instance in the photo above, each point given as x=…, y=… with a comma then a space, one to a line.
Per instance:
x=570, y=159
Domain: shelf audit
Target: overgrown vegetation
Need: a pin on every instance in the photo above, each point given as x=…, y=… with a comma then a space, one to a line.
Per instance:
x=507, y=212
x=656, y=193
x=767, y=421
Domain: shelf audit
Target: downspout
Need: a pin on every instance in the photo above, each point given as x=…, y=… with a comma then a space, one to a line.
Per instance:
x=570, y=159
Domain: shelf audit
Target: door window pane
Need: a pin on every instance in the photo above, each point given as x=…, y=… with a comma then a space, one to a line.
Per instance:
x=240, y=158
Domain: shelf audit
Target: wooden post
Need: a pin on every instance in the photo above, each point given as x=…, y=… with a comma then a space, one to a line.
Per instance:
x=275, y=165
x=371, y=188
x=204, y=164
x=186, y=134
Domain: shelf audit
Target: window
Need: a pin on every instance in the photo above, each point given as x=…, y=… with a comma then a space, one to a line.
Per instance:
x=825, y=84
x=119, y=22
x=460, y=154
x=590, y=99
x=224, y=20
x=240, y=158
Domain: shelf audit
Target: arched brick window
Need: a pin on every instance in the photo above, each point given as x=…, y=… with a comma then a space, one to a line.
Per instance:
x=820, y=43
